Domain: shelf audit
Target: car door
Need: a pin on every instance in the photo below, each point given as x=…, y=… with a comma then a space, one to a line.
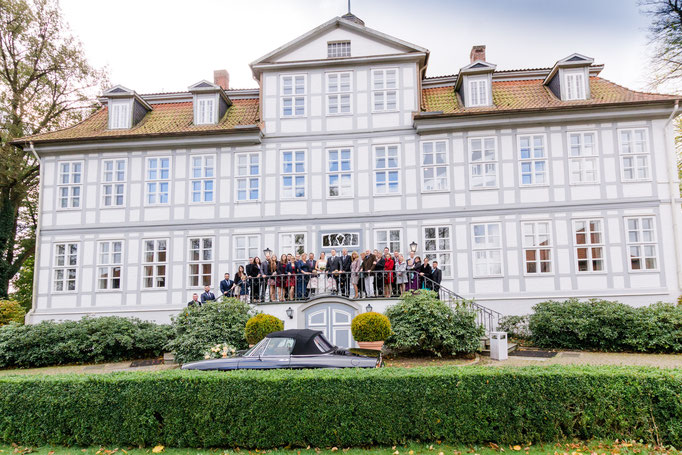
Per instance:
x=270, y=356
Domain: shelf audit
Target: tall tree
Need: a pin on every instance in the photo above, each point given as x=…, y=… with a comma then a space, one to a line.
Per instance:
x=665, y=34
x=45, y=83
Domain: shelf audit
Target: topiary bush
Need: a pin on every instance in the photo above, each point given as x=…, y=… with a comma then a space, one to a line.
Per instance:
x=423, y=324
x=370, y=326
x=260, y=325
x=198, y=328
x=607, y=326
x=343, y=408
x=90, y=340
x=11, y=311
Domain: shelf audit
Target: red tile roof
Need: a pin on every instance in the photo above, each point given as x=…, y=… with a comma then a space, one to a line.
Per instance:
x=532, y=94
x=163, y=119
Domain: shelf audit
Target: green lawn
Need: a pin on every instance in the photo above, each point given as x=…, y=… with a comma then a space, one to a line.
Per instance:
x=578, y=448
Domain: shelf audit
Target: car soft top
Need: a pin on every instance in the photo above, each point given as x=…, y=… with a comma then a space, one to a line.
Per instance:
x=304, y=340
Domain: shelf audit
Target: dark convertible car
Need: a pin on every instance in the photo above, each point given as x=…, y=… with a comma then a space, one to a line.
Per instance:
x=296, y=348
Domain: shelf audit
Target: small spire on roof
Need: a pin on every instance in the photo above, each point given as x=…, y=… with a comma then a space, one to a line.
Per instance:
x=353, y=18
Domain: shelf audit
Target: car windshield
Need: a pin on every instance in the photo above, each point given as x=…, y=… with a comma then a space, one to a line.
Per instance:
x=271, y=346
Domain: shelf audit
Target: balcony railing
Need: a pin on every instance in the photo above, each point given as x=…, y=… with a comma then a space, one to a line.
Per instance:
x=352, y=285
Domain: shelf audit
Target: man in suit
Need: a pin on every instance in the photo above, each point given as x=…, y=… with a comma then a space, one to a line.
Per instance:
x=436, y=277
x=301, y=269
x=395, y=286
x=333, y=267
x=379, y=272
x=195, y=302
x=368, y=269
x=310, y=263
x=226, y=286
x=207, y=295
x=345, y=272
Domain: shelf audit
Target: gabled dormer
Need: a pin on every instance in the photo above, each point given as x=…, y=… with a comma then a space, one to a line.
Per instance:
x=475, y=81
x=126, y=108
x=569, y=78
x=210, y=102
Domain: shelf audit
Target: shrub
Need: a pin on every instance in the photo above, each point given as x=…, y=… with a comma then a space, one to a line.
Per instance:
x=422, y=324
x=260, y=325
x=104, y=339
x=342, y=408
x=607, y=326
x=11, y=311
x=515, y=326
x=370, y=327
x=198, y=328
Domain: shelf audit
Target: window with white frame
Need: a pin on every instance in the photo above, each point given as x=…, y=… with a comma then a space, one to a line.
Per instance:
x=385, y=89
x=65, y=273
x=337, y=49
x=589, y=245
x=478, y=92
x=583, y=157
x=487, y=249
x=292, y=242
x=203, y=178
x=154, y=263
x=537, y=247
x=70, y=184
x=206, y=110
x=158, y=180
x=113, y=183
x=109, y=265
x=575, y=85
x=246, y=246
x=293, y=174
x=339, y=93
x=339, y=173
x=119, y=115
x=438, y=247
x=483, y=165
x=641, y=243
x=634, y=154
x=350, y=240
x=248, y=176
x=386, y=169
x=200, y=261
x=387, y=238
x=533, y=159
x=435, y=166
x=293, y=95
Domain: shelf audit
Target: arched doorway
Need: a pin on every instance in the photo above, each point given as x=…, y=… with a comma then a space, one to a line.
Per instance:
x=332, y=316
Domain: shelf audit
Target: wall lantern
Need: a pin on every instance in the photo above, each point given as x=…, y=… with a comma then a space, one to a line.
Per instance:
x=290, y=313
x=267, y=251
x=368, y=308
x=413, y=247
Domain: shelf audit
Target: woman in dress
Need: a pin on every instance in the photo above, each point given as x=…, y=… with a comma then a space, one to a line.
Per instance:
x=272, y=273
x=425, y=274
x=416, y=269
x=255, y=280
x=321, y=268
x=389, y=275
x=401, y=274
x=281, y=280
x=291, y=276
x=313, y=282
x=355, y=267
x=240, y=281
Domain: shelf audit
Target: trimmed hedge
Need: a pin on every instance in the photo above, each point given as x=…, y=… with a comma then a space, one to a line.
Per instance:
x=260, y=325
x=323, y=408
x=11, y=311
x=89, y=340
x=606, y=326
x=370, y=326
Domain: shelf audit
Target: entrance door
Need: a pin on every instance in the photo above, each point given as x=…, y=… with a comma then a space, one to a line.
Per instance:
x=333, y=319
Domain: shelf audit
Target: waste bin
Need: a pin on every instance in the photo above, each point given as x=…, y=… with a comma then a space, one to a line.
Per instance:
x=498, y=345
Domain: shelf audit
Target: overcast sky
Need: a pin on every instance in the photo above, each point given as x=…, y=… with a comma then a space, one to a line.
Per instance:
x=167, y=45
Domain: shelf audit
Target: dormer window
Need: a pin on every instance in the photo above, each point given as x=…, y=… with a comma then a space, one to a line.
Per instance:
x=206, y=110
x=478, y=92
x=337, y=49
x=119, y=115
x=575, y=84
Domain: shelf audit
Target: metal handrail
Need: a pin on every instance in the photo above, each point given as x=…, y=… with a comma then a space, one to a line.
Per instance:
x=379, y=284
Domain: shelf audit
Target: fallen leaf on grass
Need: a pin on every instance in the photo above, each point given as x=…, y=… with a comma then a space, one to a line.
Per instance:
x=158, y=449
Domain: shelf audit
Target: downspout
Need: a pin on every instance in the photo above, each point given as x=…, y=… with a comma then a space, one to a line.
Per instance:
x=674, y=190
x=36, y=254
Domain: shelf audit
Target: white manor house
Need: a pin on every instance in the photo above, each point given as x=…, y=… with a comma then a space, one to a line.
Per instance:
x=525, y=184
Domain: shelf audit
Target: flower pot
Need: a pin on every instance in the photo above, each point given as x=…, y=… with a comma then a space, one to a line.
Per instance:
x=372, y=345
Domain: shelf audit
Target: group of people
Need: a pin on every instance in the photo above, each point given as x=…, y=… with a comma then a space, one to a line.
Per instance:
x=300, y=276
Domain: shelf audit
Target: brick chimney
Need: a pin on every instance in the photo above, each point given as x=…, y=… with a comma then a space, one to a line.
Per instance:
x=477, y=53
x=221, y=78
